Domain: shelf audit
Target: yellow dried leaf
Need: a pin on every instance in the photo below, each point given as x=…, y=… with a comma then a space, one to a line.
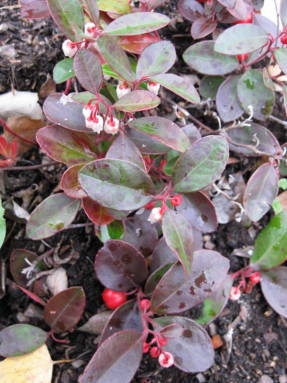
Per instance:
x=36, y=367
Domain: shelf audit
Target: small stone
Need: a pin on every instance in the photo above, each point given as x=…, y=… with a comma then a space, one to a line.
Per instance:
x=200, y=378
x=265, y=379
x=77, y=363
x=283, y=379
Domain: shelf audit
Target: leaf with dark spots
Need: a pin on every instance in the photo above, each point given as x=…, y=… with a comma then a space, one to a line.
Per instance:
x=118, y=357
x=120, y=266
x=20, y=339
x=162, y=255
x=125, y=317
x=64, y=310
x=192, y=348
x=209, y=269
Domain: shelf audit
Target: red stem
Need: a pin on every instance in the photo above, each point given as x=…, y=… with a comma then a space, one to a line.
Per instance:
x=6, y=127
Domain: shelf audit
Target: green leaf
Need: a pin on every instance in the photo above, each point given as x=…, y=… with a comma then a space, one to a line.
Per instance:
x=137, y=101
x=209, y=86
x=2, y=224
x=136, y=23
x=69, y=16
x=281, y=58
x=283, y=183
x=240, y=39
x=181, y=86
x=202, y=58
x=109, y=72
x=63, y=70
x=114, y=6
x=177, y=232
x=116, y=184
x=114, y=230
x=116, y=57
x=271, y=244
x=252, y=92
x=201, y=164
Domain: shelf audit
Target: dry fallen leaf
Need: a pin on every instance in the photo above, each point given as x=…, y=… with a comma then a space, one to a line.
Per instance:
x=36, y=367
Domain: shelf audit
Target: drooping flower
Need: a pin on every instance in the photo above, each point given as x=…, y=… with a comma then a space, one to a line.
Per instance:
x=69, y=48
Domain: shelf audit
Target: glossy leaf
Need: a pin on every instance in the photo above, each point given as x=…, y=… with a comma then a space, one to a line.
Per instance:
x=162, y=255
x=118, y=356
x=21, y=339
x=274, y=288
x=70, y=182
x=146, y=144
x=116, y=184
x=192, y=132
x=98, y=214
x=54, y=214
x=64, y=310
x=162, y=130
x=157, y=58
x=120, y=266
x=283, y=12
x=192, y=350
x=190, y=9
x=270, y=245
x=64, y=145
x=137, y=101
x=114, y=6
x=34, y=9
x=209, y=86
x=253, y=140
x=92, y=8
x=96, y=323
x=124, y=149
x=177, y=232
x=156, y=276
x=116, y=57
x=199, y=211
x=253, y=92
x=240, y=39
x=63, y=71
x=69, y=17
x=202, y=58
x=141, y=233
x=88, y=70
x=181, y=86
x=62, y=110
x=201, y=164
x=136, y=23
x=21, y=259
x=177, y=292
x=260, y=192
x=280, y=55
x=125, y=317
x=227, y=102
x=202, y=27
x=136, y=44
x=239, y=8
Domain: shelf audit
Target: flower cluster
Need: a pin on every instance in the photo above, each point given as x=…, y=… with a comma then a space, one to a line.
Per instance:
x=158, y=212
x=243, y=286
x=96, y=122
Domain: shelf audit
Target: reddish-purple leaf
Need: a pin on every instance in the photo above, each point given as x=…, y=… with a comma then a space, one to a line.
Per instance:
x=93, y=10
x=64, y=310
x=137, y=101
x=66, y=146
x=32, y=295
x=199, y=211
x=136, y=44
x=192, y=132
x=238, y=8
x=117, y=358
x=190, y=9
x=156, y=276
x=20, y=339
x=70, y=182
x=125, y=317
x=274, y=288
x=227, y=102
x=146, y=144
x=34, y=9
x=162, y=255
x=253, y=140
x=177, y=292
x=177, y=231
x=157, y=58
x=192, y=349
x=202, y=27
x=64, y=111
x=260, y=192
x=88, y=70
x=21, y=259
x=120, y=266
x=98, y=214
x=54, y=214
x=162, y=130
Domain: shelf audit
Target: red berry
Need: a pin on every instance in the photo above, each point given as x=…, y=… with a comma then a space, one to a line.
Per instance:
x=154, y=352
x=145, y=304
x=255, y=278
x=176, y=200
x=146, y=347
x=242, y=57
x=162, y=341
x=163, y=209
x=283, y=38
x=150, y=205
x=114, y=299
x=248, y=20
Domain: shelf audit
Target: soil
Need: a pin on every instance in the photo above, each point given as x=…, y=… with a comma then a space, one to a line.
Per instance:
x=257, y=347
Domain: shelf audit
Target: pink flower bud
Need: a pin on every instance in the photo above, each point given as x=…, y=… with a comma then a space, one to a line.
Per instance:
x=155, y=215
x=235, y=293
x=153, y=87
x=96, y=124
x=90, y=29
x=69, y=49
x=122, y=89
x=154, y=352
x=145, y=304
x=112, y=125
x=166, y=359
x=87, y=110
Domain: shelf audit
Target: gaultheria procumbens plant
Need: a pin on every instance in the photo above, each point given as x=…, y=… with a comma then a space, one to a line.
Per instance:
x=145, y=182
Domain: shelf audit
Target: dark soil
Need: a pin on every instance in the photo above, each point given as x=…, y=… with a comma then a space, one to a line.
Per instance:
x=257, y=347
